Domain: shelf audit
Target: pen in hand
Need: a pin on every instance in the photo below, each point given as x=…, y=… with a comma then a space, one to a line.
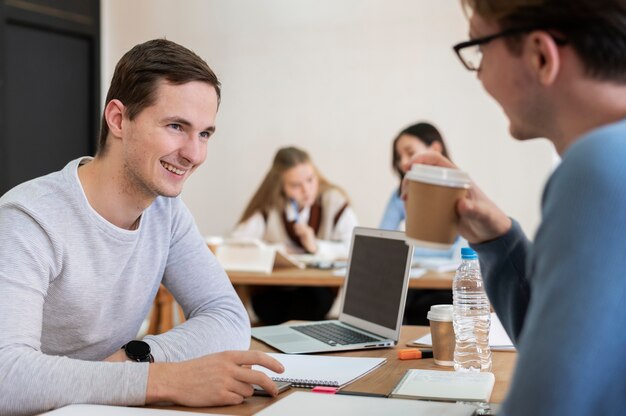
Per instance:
x=296, y=214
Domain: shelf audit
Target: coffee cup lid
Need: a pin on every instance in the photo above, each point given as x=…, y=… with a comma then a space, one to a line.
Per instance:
x=437, y=175
x=440, y=313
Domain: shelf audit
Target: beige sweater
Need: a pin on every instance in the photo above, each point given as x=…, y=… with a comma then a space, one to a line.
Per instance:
x=334, y=234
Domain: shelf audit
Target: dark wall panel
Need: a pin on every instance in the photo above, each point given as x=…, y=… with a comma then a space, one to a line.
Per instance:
x=48, y=117
x=49, y=85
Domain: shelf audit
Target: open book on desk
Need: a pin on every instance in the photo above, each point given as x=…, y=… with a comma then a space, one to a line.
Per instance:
x=321, y=370
x=252, y=255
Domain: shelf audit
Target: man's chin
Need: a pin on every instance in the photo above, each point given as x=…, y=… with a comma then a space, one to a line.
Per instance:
x=173, y=193
x=522, y=134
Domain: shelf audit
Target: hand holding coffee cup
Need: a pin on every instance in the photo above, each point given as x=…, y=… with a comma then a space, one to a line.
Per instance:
x=431, y=197
x=481, y=219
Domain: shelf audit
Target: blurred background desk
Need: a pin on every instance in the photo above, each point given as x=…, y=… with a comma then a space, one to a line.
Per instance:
x=327, y=278
x=245, y=282
x=381, y=380
x=166, y=313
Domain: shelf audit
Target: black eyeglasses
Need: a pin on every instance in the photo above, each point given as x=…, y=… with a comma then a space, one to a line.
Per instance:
x=471, y=55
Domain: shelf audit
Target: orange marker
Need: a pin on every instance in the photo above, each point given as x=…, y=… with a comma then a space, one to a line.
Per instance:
x=414, y=354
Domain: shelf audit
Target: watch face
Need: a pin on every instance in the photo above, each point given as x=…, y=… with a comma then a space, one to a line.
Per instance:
x=138, y=350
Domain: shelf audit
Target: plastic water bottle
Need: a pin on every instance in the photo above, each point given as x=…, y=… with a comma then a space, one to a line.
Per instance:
x=471, y=316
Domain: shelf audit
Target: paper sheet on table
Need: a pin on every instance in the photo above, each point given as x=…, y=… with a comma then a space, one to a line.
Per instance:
x=314, y=404
x=498, y=338
x=101, y=410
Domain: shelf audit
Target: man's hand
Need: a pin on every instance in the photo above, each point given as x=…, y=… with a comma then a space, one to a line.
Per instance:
x=213, y=380
x=480, y=219
x=307, y=236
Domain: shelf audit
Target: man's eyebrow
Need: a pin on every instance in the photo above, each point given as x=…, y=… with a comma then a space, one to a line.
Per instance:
x=178, y=120
x=184, y=122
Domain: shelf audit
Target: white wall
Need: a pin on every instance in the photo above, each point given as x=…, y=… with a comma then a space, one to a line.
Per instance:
x=339, y=78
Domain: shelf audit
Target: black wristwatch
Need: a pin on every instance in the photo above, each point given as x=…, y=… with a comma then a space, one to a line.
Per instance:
x=138, y=351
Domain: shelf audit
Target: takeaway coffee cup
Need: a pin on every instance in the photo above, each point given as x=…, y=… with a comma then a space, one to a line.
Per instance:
x=442, y=333
x=432, y=193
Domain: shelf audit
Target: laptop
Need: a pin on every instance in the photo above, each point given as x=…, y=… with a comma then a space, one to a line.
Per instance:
x=372, y=304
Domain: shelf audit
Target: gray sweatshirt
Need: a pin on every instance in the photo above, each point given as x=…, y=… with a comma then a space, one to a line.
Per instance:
x=74, y=288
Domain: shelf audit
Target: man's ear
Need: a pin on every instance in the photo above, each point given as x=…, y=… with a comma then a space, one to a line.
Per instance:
x=114, y=115
x=543, y=56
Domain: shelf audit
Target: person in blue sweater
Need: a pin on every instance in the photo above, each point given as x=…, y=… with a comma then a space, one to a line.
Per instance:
x=558, y=70
x=409, y=142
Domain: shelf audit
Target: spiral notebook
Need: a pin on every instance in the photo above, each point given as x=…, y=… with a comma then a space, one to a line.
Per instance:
x=320, y=370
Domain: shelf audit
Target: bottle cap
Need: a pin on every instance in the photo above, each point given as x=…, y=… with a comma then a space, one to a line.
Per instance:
x=468, y=253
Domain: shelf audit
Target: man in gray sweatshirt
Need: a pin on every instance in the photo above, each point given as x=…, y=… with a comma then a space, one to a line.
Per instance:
x=84, y=250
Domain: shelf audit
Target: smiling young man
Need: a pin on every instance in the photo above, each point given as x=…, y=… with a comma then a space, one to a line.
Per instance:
x=85, y=249
x=558, y=70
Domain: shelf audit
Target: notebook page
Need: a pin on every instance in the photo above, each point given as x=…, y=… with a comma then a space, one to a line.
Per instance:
x=313, y=370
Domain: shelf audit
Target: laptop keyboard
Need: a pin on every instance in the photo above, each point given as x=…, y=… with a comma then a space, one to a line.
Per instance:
x=333, y=334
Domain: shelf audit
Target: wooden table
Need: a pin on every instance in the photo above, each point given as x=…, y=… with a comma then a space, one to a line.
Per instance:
x=381, y=380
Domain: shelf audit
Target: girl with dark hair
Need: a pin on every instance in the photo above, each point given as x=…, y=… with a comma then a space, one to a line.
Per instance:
x=409, y=142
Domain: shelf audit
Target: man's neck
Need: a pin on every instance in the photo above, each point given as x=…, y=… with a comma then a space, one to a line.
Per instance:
x=110, y=195
x=589, y=104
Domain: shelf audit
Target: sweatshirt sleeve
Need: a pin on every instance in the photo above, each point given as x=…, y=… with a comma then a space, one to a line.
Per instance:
x=216, y=318
x=30, y=380
x=504, y=272
x=338, y=245
x=571, y=346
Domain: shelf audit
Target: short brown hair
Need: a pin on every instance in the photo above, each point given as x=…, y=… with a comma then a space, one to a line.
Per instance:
x=595, y=29
x=137, y=75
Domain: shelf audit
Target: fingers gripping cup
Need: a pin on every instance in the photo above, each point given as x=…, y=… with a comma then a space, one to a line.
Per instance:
x=442, y=333
x=432, y=194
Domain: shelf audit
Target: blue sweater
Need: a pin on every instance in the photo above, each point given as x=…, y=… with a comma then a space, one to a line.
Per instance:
x=562, y=298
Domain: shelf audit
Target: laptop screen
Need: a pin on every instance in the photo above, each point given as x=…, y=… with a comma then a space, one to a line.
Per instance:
x=374, y=287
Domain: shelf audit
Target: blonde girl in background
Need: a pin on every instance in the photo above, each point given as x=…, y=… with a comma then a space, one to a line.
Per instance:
x=297, y=207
